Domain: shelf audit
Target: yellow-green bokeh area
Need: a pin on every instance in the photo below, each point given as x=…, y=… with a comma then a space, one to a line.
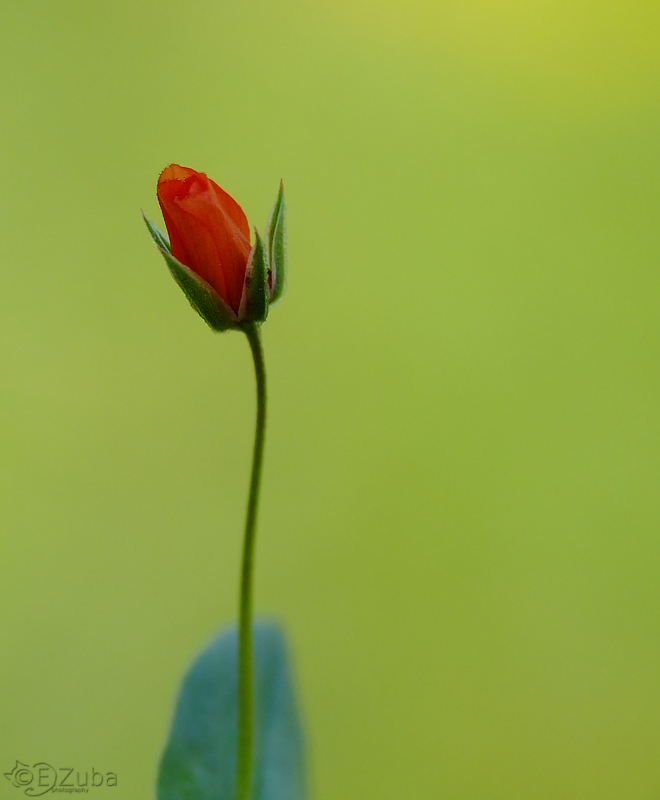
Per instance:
x=460, y=515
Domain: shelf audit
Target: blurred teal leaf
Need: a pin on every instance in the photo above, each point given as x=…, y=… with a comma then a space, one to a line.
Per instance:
x=202, y=297
x=199, y=760
x=276, y=241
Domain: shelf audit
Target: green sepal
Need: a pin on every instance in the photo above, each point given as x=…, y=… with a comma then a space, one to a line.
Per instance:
x=199, y=760
x=254, y=303
x=201, y=296
x=276, y=238
x=160, y=238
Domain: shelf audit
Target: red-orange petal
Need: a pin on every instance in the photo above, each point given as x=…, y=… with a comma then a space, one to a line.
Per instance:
x=208, y=230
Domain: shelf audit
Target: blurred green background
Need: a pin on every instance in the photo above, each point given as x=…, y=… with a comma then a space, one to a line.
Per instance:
x=459, y=525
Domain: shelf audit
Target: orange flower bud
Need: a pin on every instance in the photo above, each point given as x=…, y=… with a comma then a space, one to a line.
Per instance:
x=209, y=233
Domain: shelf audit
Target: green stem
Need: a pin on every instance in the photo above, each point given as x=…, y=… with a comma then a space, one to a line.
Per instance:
x=244, y=757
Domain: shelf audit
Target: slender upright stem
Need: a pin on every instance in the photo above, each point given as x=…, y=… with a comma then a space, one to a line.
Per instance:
x=245, y=661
